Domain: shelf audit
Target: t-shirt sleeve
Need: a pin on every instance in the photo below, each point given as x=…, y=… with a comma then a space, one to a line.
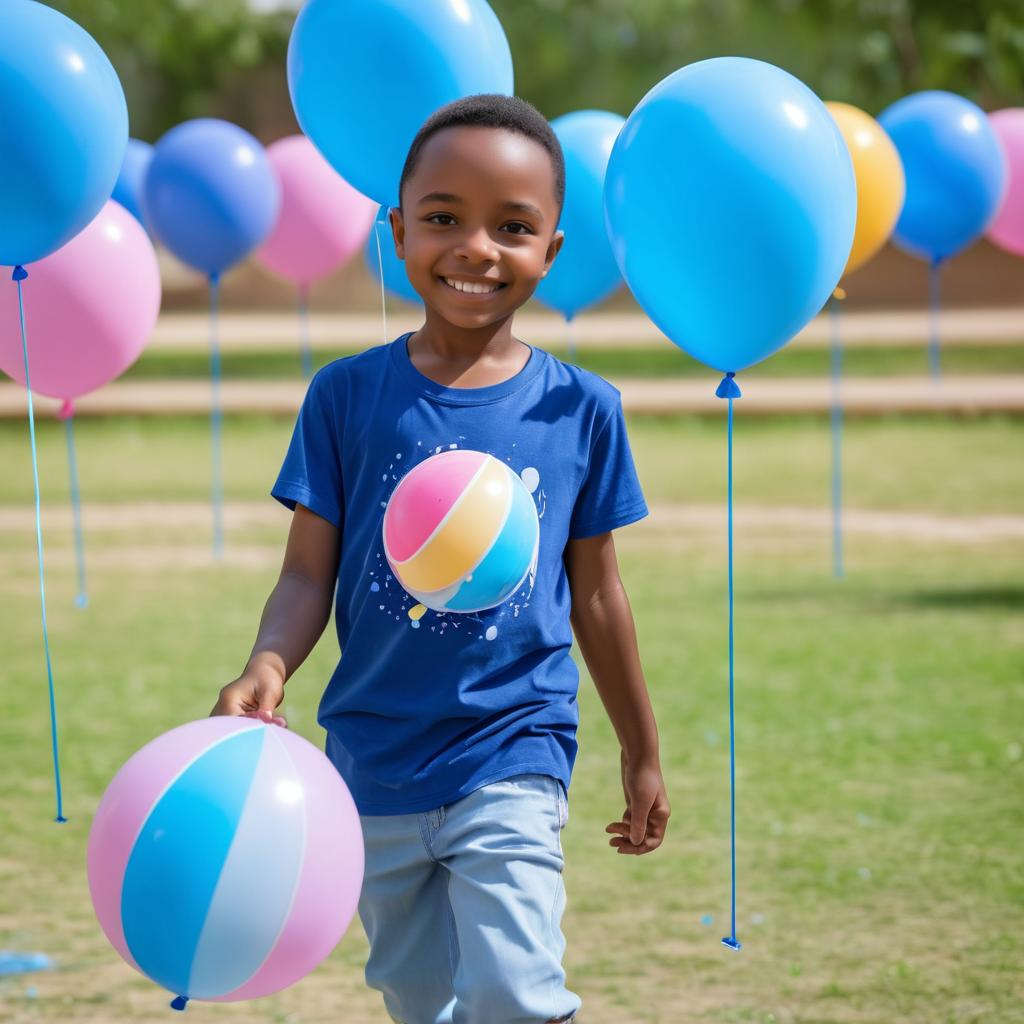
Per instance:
x=610, y=495
x=311, y=473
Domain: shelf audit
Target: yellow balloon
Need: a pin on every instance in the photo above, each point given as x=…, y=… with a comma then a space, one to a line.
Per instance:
x=880, y=182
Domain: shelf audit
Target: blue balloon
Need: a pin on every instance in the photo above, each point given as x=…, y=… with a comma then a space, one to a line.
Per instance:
x=585, y=271
x=132, y=179
x=955, y=169
x=731, y=203
x=365, y=76
x=63, y=129
x=395, y=278
x=211, y=195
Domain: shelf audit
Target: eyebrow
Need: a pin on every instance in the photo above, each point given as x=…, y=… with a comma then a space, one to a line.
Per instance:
x=448, y=197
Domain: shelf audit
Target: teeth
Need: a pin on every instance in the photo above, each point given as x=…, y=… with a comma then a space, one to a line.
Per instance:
x=472, y=288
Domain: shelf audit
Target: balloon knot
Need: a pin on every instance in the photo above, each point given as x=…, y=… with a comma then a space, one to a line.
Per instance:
x=67, y=410
x=214, y=277
x=20, y=273
x=179, y=1002
x=382, y=215
x=728, y=388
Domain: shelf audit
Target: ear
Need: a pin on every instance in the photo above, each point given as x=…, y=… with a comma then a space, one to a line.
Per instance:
x=554, y=246
x=398, y=231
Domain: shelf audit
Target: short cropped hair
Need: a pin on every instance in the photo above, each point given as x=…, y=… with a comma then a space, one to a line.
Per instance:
x=491, y=110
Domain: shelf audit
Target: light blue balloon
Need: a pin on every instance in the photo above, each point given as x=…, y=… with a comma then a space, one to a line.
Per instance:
x=132, y=179
x=395, y=278
x=211, y=195
x=63, y=130
x=365, y=76
x=585, y=271
x=731, y=204
x=955, y=170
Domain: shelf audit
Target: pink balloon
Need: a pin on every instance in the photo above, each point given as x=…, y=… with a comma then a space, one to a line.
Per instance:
x=1007, y=230
x=90, y=307
x=323, y=220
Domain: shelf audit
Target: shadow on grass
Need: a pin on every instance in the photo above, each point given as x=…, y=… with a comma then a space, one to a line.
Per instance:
x=968, y=598
x=982, y=598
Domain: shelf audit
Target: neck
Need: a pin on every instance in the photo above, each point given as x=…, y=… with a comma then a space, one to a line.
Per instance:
x=450, y=343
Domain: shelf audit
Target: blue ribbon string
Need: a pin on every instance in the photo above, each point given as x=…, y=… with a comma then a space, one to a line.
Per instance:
x=729, y=389
x=305, y=342
x=216, y=422
x=570, y=337
x=19, y=275
x=934, y=312
x=379, y=223
x=82, y=597
x=836, y=345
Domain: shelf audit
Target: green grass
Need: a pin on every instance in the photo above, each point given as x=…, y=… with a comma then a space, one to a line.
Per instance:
x=625, y=362
x=880, y=761
x=961, y=466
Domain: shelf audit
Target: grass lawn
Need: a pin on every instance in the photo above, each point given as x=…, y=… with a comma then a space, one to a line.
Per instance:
x=924, y=463
x=636, y=361
x=880, y=727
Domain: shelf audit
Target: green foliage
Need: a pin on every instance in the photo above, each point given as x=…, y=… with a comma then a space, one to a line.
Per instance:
x=179, y=59
x=607, y=53
x=185, y=58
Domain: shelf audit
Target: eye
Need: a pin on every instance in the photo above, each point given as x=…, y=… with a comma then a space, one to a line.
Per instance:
x=526, y=229
x=447, y=219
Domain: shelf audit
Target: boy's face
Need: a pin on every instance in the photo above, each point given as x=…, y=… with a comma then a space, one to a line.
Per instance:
x=479, y=209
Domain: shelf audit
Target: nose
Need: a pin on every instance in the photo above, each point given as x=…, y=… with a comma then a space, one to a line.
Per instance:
x=477, y=246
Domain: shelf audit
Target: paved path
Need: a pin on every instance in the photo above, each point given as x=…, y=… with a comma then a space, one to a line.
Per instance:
x=958, y=395
x=246, y=331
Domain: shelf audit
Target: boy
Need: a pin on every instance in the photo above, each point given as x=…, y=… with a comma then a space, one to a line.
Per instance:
x=456, y=732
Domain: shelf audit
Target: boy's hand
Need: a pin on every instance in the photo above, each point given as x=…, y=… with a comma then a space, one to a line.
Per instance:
x=642, y=828
x=253, y=695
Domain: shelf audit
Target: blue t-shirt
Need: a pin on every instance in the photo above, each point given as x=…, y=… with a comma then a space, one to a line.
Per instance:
x=421, y=713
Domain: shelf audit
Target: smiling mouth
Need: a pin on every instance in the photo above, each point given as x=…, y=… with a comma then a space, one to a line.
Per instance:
x=474, y=288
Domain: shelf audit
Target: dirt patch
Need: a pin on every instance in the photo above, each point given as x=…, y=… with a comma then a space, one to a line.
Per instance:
x=127, y=516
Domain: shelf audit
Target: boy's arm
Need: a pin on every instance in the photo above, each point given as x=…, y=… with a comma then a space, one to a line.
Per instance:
x=294, y=618
x=603, y=623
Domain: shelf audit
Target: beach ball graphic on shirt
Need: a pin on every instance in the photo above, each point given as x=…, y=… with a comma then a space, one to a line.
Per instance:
x=225, y=859
x=461, y=531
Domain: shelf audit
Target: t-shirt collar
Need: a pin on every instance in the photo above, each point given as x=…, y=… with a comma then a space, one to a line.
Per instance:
x=461, y=396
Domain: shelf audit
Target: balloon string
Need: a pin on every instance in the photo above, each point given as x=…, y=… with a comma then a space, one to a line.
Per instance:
x=82, y=597
x=216, y=417
x=377, y=224
x=570, y=334
x=836, y=346
x=729, y=389
x=934, y=305
x=305, y=342
x=19, y=275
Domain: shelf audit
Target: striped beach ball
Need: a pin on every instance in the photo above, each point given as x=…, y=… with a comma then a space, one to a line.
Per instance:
x=225, y=859
x=461, y=531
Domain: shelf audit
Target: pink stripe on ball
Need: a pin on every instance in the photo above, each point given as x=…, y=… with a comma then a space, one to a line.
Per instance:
x=424, y=497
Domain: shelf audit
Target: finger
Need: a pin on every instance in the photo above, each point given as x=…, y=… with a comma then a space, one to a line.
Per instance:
x=626, y=847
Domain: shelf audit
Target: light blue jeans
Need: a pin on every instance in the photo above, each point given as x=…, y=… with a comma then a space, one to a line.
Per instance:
x=463, y=907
